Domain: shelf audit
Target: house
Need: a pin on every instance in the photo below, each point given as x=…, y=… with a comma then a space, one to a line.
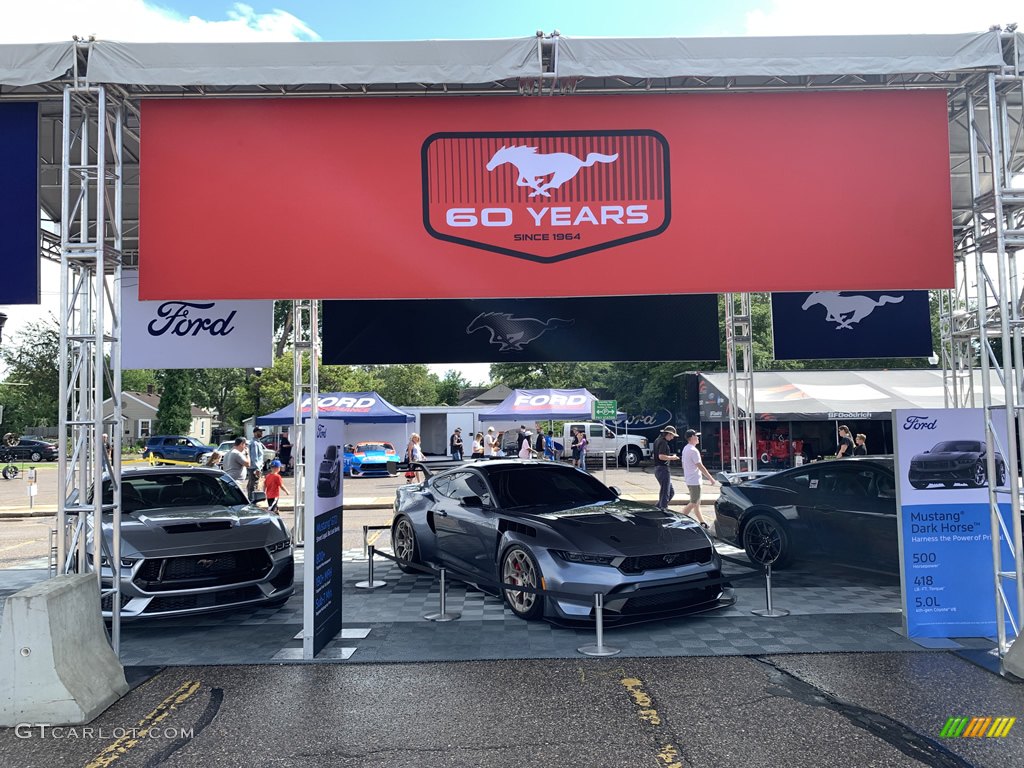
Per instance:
x=138, y=413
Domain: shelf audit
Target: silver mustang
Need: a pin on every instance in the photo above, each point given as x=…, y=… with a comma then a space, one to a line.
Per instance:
x=544, y=525
x=192, y=543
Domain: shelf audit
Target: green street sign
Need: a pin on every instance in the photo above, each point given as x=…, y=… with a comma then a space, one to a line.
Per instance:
x=605, y=410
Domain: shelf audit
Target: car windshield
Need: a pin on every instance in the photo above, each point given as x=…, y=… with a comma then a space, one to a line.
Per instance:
x=374, y=448
x=958, y=446
x=525, y=486
x=142, y=492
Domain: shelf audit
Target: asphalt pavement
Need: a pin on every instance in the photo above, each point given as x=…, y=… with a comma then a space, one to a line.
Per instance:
x=792, y=711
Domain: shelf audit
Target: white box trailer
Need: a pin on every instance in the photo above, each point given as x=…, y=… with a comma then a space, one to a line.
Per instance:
x=435, y=424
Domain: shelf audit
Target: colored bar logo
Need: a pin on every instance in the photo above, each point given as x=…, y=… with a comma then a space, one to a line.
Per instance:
x=977, y=727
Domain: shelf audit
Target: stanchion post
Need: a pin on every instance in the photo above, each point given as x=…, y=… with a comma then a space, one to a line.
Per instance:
x=769, y=610
x=366, y=535
x=370, y=582
x=599, y=649
x=443, y=614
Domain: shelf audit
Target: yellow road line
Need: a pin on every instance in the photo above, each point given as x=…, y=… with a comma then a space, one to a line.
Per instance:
x=668, y=755
x=162, y=711
x=372, y=538
x=15, y=546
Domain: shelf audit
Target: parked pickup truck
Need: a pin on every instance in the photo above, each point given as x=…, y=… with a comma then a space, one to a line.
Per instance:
x=632, y=449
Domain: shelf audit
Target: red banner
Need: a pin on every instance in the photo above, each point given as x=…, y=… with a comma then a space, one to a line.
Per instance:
x=565, y=196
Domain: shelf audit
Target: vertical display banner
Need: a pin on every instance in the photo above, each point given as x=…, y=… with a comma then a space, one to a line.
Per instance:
x=194, y=334
x=945, y=534
x=840, y=325
x=321, y=597
x=19, y=202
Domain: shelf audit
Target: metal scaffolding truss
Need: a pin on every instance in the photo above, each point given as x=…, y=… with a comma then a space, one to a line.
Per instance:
x=739, y=351
x=983, y=317
x=305, y=385
x=90, y=329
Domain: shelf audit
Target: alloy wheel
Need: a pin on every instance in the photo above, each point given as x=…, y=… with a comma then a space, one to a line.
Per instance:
x=519, y=570
x=763, y=540
x=404, y=541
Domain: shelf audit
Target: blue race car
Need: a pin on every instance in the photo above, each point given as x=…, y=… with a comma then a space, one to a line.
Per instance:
x=371, y=458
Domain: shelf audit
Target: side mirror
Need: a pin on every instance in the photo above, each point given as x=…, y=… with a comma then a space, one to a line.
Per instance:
x=615, y=489
x=471, y=502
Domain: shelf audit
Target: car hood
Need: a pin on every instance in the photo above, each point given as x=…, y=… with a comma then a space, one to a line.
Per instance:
x=623, y=528
x=947, y=456
x=164, y=532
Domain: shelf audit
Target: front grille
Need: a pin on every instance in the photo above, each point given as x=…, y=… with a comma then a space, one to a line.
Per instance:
x=167, y=603
x=671, y=601
x=199, y=571
x=670, y=560
x=107, y=602
x=935, y=465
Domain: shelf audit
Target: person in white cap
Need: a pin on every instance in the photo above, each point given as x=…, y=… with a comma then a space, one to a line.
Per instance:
x=490, y=444
x=693, y=468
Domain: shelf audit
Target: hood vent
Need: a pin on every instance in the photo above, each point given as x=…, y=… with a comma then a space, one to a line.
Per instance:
x=213, y=525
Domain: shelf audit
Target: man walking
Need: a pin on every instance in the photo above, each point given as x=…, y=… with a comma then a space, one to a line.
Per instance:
x=455, y=444
x=663, y=454
x=236, y=461
x=693, y=468
x=255, y=461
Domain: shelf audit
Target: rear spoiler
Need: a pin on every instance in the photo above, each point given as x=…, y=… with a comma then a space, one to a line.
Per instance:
x=431, y=467
x=738, y=478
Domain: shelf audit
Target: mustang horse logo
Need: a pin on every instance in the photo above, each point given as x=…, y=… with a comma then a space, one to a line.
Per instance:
x=534, y=167
x=513, y=333
x=844, y=311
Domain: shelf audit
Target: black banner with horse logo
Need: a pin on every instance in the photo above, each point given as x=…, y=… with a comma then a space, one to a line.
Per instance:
x=834, y=325
x=585, y=329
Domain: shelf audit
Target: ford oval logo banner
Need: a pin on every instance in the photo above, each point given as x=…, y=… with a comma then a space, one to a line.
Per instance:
x=511, y=197
x=545, y=196
x=194, y=334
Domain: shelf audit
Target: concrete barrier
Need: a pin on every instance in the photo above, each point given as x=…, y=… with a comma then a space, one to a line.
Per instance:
x=56, y=665
x=1013, y=661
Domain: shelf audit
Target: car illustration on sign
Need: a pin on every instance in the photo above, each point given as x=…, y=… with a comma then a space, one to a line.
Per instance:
x=952, y=462
x=546, y=196
x=328, y=478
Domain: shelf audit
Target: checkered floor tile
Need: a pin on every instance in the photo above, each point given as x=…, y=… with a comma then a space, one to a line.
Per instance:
x=831, y=609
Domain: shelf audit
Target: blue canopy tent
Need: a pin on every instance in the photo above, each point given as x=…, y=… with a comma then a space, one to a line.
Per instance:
x=347, y=406
x=542, y=405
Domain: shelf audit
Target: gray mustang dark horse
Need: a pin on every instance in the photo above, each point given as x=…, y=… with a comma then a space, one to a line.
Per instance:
x=513, y=333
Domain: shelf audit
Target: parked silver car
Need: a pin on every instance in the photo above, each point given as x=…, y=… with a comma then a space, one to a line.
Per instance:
x=192, y=543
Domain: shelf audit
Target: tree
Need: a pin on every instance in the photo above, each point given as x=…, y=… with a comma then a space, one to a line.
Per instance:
x=174, y=416
x=32, y=393
x=450, y=387
x=138, y=380
x=406, y=384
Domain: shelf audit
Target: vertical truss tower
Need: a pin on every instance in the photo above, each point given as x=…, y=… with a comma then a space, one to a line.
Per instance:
x=739, y=351
x=90, y=330
x=305, y=385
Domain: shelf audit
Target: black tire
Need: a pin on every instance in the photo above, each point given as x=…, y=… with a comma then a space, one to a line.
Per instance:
x=1000, y=475
x=519, y=566
x=980, y=477
x=630, y=456
x=919, y=485
x=766, y=540
x=158, y=458
x=10, y=472
x=35, y=456
x=403, y=544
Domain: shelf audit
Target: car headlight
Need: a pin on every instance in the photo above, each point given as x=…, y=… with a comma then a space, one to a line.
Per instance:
x=126, y=562
x=581, y=557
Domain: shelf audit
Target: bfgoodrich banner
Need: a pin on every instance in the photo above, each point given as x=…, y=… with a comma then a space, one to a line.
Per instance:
x=618, y=328
x=839, y=325
x=194, y=334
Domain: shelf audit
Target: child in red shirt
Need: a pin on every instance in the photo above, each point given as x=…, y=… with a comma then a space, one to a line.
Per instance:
x=273, y=485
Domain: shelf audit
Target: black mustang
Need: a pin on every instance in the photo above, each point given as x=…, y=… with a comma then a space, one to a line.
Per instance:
x=955, y=461
x=841, y=510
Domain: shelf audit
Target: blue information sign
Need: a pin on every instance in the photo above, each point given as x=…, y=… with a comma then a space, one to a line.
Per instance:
x=944, y=522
